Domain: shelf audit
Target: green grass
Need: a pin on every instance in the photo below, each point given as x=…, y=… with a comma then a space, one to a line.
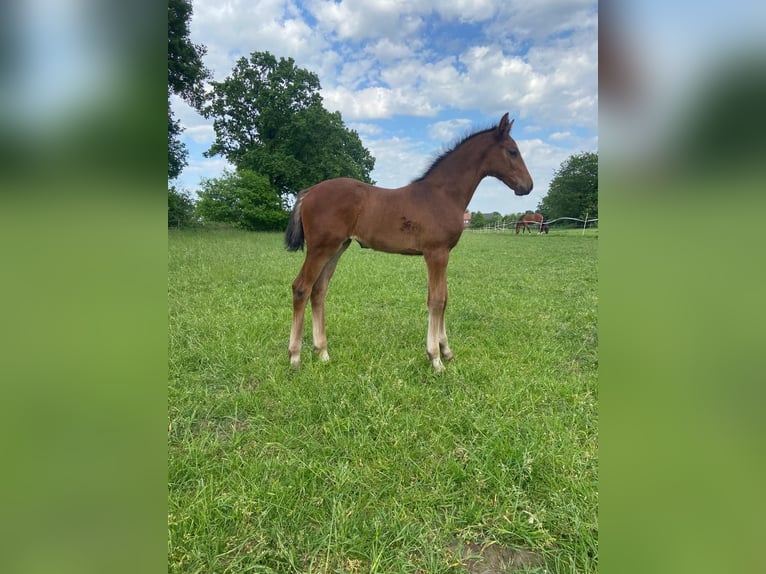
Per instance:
x=372, y=462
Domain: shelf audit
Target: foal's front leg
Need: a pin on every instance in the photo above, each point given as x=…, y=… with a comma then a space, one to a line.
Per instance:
x=436, y=340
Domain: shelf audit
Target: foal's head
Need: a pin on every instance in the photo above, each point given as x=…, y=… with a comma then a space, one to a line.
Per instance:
x=505, y=162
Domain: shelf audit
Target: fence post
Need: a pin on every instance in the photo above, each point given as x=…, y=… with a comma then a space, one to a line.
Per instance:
x=584, y=225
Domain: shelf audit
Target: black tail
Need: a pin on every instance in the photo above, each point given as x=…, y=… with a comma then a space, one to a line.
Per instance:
x=294, y=233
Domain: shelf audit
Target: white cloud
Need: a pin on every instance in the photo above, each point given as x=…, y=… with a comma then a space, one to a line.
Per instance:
x=201, y=134
x=562, y=88
x=386, y=51
x=378, y=102
x=449, y=130
x=495, y=80
x=540, y=20
x=468, y=10
x=364, y=19
x=365, y=128
x=356, y=74
x=558, y=136
x=232, y=29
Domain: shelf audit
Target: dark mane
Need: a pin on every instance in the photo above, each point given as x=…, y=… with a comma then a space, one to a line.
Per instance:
x=441, y=157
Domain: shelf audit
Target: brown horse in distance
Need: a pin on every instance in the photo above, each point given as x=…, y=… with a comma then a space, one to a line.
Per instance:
x=422, y=218
x=531, y=219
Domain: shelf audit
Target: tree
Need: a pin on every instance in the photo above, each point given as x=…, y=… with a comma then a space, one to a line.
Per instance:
x=180, y=208
x=325, y=148
x=478, y=220
x=269, y=118
x=186, y=77
x=573, y=192
x=177, y=151
x=494, y=218
x=244, y=198
x=509, y=219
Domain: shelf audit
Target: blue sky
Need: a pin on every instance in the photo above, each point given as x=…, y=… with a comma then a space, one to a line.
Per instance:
x=412, y=76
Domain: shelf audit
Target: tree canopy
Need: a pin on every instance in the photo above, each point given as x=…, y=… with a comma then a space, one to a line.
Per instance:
x=268, y=118
x=186, y=77
x=573, y=192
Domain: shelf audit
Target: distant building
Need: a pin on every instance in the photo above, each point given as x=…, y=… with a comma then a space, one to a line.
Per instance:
x=466, y=219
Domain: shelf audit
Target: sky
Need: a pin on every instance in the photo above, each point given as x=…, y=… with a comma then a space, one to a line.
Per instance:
x=413, y=76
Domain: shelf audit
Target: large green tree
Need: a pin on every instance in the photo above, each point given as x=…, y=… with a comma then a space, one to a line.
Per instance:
x=268, y=117
x=186, y=77
x=573, y=192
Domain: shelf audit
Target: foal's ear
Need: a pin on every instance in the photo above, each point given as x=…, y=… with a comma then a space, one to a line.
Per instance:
x=504, y=127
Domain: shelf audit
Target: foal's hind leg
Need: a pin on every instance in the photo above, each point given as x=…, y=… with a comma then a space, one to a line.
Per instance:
x=318, y=294
x=303, y=286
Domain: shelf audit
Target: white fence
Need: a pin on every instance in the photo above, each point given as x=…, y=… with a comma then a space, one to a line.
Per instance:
x=511, y=225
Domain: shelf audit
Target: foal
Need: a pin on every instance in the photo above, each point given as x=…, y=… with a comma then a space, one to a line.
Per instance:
x=422, y=218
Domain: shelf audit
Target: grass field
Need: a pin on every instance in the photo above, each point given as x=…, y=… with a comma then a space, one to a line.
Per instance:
x=372, y=462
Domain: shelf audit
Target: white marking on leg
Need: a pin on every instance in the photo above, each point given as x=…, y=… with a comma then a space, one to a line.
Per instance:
x=317, y=327
x=294, y=349
x=432, y=340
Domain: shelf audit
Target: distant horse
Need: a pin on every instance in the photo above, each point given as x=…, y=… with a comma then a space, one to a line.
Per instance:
x=531, y=219
x=422, y=218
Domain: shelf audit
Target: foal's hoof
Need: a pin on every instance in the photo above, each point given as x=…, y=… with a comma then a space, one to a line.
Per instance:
x=324, y=356
x=437, y=364
x=295, y=361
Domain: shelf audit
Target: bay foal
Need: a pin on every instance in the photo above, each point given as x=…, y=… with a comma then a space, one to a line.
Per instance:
x=422, y=218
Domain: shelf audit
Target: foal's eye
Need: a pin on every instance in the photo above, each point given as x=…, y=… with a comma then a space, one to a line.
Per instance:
x=513, y=153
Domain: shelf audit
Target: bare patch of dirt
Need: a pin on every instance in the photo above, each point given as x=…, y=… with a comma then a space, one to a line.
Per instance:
x=493, y=558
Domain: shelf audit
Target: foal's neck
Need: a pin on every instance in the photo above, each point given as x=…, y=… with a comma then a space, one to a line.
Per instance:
x=458, y=175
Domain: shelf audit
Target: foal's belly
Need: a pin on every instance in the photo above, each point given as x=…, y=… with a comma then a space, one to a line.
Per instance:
x=388, y=245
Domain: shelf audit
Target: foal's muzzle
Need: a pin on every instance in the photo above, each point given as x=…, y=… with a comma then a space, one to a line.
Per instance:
x=520, y=189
